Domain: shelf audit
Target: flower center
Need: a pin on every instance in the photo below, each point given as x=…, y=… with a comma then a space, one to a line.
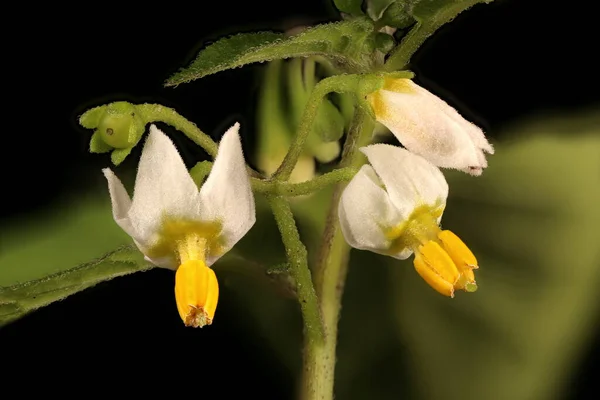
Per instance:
x=441, y=258
x=196, y=285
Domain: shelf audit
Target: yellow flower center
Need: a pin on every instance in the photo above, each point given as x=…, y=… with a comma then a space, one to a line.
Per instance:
x=189, y=243
x=441, y=258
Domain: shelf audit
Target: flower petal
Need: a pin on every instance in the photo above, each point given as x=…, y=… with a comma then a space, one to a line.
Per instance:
x=409, y=179
x=476, y=134
x=226, y=195
x=428, y=126
x=121, y=203
x=365, y=211
x=163, y=187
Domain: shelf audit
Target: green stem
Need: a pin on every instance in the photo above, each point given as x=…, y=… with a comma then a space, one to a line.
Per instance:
x=339, y=84
x=278, y=188
x=408, y=46
x=330, y=275
x=156, y=112
x=299, y=189
x=298, y=262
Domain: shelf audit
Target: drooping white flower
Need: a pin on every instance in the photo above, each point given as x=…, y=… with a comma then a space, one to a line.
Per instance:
x=394, y=207
x=179, y=227
x=426, y=125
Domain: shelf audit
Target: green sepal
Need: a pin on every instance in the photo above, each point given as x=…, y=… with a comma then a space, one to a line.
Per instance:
x=376, y=8
x=352, y=7
x=118, y=155
x=397, y=15
x=118, y=126
x=91, y=118
x=97, y=145
x=384, y=42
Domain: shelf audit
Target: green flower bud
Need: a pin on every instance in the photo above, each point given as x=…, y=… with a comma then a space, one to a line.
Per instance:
x=118, y=127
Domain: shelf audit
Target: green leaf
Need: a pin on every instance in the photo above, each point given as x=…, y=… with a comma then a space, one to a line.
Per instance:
x=375, y=8
x=352, y=7
x=18, y=300
x=341, y=42
x=59, y=244
x=439, y=12
x=34, y=247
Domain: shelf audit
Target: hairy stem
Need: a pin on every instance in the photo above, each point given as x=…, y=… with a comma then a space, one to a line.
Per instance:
x=337, y=83
x=278, y=188
x=298, y=268
x=330, y=276
x=157, y=112
x=302, y=188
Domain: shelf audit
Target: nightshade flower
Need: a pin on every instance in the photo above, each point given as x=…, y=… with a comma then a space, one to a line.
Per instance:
x=426, y=125
x=179, y=227
x=394, y=207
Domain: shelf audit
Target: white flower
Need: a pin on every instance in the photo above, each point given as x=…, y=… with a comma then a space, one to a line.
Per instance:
x=429, y=127
x=177, y=226
x=394, y=207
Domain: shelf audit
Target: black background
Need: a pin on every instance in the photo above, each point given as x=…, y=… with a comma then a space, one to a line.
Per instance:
x=496, y=63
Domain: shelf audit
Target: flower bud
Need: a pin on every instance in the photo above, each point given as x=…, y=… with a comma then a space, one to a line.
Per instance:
x=117, y=127
x=429, y=127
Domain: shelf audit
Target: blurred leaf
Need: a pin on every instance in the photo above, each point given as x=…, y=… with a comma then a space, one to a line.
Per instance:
x=18, y=300
x=339, y=41
x=532, y=220
x=58, y=239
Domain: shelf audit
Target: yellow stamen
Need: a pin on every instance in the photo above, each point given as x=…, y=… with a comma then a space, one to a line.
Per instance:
x=463, y=258
x=196, y=293
x=196, y=286
x=458, y=251
x=437, y=268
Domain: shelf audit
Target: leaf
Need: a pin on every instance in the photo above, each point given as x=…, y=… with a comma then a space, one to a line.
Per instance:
x=375, y=8
x=60, y=238
x=18, y=300
x=339, y=41
x=352, y=7
x=439, y=12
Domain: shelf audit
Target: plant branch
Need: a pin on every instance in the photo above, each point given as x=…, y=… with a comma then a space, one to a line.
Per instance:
x=337, y=83
x=330, y=275
x=298, y=269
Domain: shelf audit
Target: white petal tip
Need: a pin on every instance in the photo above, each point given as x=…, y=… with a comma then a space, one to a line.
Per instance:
x=109, y=174
x=474, y=171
